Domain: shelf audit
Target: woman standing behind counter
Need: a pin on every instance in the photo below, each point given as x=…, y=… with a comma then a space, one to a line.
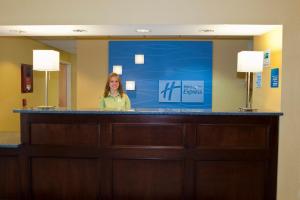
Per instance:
x=114, y=97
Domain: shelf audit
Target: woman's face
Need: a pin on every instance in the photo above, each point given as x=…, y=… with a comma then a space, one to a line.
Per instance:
x=114, y=83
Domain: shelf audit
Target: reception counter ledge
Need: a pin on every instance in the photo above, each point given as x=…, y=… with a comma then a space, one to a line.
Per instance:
x=142, y=154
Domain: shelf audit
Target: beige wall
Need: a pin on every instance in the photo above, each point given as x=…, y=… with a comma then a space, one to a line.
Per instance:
x=195, y=12
x=118, y=12
x=267, y=97
x=289, y=139
x=13, y=52
x=228, y=87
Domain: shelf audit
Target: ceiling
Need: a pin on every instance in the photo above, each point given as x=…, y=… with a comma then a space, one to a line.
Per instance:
x=65, y=45
x=142, y=31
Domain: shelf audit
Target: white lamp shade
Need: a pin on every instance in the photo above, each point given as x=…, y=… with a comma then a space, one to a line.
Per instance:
x=117, y=69
x=130, y=85
x=139, y=59
x=250, y=61
x=45, y=60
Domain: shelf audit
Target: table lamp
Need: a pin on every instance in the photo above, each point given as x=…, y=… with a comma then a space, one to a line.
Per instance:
x=46, y=60
x=249, y=61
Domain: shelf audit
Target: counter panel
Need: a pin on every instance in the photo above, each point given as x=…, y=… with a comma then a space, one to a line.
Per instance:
x=144, y=156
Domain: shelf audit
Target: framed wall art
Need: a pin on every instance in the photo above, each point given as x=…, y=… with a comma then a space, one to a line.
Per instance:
x=26, y=78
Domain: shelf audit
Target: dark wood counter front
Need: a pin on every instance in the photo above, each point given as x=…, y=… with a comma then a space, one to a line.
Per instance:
x=98, y=156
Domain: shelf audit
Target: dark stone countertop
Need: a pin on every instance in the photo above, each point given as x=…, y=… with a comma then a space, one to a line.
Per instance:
x=145, y=111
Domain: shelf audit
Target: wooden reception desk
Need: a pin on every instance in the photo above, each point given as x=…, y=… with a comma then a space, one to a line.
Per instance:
x=142, y=154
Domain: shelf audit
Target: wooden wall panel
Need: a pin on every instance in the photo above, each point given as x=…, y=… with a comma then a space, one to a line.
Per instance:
x=64, y=178
x=230, y=180
x=147, y=179
x=65, y=134
x=232, y=136
x=9, y=178
x=148, y=134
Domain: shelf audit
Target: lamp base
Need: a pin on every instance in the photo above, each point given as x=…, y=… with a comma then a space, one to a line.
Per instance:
x=245, y=109
x=45, y=107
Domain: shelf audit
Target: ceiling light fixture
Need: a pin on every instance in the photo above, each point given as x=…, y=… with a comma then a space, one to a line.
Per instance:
x=130, y=85
x=143, y=30
x=79, y=30
x=139, y=59
x=207, y=30
x=117, y=69
x=17, y=31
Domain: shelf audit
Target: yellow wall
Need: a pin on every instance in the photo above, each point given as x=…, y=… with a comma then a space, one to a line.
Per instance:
x=228, y=88
x=267, y=97
x=92, y=70
x=14, y=52
x=73, y=80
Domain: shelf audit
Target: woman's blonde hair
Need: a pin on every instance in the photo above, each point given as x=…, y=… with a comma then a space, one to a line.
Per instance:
x=107, y=88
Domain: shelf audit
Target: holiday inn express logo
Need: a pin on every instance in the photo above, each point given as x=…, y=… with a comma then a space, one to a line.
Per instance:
x=181, y=91
x=169, y=88
x=169, y=91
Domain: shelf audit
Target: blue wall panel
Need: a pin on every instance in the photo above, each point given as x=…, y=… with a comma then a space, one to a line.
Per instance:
x=164, y=60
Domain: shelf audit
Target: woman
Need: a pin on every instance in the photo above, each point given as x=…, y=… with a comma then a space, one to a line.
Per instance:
x=114, y=97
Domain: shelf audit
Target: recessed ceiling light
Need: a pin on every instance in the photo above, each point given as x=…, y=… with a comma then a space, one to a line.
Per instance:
x=142, y=30
x=17, y=31
x=207, y=30
x=79, y=30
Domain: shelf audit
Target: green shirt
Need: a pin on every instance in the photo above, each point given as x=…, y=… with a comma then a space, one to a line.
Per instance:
x=115, y=103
